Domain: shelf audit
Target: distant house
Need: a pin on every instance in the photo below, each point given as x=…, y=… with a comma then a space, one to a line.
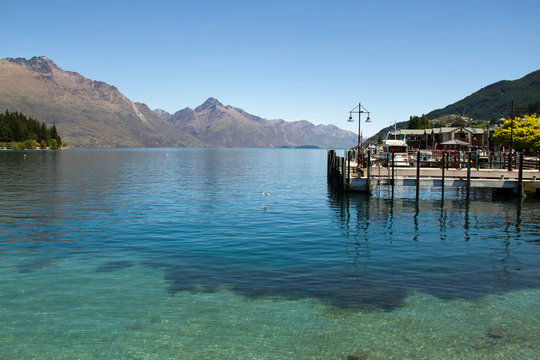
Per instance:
x=432, y=138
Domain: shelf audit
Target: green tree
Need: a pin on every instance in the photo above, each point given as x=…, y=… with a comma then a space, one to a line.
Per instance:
x=525, y=133
x=17, y=128
x=419, y=122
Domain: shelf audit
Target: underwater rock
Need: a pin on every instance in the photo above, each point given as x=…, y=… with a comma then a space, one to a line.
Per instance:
x=134, y=326
x=495, y=333
x=358, y=355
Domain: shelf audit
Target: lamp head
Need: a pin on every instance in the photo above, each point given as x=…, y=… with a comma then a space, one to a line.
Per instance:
x=368, y=118
x=350, y=118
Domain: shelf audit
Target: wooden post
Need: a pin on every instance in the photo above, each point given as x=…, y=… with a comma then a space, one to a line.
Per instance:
x=344, y=173
x=393, y=158
x=388, y=169
x=348, y=167
x=468, y=175
x=443, y=167
x=417, y=173
x=368, y=169
x=520, y=174
x=329, y=162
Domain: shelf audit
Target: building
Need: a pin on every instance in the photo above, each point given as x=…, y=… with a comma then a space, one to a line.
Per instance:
x=430, y=139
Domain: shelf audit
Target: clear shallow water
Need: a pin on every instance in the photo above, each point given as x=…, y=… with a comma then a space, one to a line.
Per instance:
x=136, y=254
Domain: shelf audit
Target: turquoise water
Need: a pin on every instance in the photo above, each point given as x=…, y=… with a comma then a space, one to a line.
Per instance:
x=179, y=254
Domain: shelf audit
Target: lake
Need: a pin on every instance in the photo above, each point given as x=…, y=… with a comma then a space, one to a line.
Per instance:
x=249, y=254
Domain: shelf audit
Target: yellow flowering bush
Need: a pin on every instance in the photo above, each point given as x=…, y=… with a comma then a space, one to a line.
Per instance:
x=526, y=133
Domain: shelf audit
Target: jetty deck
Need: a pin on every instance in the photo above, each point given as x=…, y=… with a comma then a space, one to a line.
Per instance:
x=522, y=179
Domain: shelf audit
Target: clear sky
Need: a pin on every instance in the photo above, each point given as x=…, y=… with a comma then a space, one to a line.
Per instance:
x=292, y=60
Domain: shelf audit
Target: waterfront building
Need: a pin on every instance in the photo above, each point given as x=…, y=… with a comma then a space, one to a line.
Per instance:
x=429, y=139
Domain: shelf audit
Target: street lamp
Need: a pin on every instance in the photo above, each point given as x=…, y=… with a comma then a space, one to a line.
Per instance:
x=359, y=109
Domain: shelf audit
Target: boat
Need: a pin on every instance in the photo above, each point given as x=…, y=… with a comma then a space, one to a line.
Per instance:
x=398, y=148
x=427, y=159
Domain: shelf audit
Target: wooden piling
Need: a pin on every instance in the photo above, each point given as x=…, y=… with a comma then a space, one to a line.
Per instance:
x=343, y=172
x=520, y=174
x=417, y=173
x=442, y=175
x=393, y=166
x=348, y=167
x=368, y=173
x=468, y=175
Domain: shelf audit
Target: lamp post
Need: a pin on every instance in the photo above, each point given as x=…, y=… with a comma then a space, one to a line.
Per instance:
x=359, y=109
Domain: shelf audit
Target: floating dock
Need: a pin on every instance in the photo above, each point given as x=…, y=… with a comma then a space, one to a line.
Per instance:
x=364, y=176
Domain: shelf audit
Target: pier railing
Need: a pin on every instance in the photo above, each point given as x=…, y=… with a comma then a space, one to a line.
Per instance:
x=453, y=159
x=361, y=172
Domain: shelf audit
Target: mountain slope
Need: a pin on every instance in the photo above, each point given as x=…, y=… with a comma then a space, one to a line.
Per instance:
x=487, y=102
x=218, y=125
x=86, y=113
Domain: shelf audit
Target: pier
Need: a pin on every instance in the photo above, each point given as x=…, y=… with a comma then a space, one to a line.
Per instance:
x=444, y=170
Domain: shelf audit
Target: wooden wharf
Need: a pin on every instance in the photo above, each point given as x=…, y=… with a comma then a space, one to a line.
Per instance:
x=465, y=170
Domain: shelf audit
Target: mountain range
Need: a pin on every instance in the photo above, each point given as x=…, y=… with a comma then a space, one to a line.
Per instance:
x=91, y=113
x=218, y=125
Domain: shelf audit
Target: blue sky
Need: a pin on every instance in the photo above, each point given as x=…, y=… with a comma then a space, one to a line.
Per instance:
x=293, y=60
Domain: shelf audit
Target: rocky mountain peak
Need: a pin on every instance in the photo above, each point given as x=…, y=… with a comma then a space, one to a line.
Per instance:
x=39, y=64
x=209, y=104
x=162, y=114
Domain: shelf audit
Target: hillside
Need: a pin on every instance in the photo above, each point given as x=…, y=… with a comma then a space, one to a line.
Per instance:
x=86, y=113
x=218, y=125
x=486, y=103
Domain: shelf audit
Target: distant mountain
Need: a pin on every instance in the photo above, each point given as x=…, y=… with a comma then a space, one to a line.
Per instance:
x=218, y=125
x=86, y=113
x=94, y=114
x=487, y=102
x=162, y=114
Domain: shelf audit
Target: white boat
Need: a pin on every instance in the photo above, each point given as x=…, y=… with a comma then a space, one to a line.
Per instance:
x=427, y=159
x=399, y=149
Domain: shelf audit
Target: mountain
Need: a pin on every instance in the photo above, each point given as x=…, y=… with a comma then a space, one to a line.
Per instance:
x=486, y=103
x=218, y=125
x=91, y=113
x=162, y=114
x=86, y=113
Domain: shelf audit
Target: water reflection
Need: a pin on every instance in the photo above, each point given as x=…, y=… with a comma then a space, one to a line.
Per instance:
x=447, y=247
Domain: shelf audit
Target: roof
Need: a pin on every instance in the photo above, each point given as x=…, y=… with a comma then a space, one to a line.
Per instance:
x=395, y=143
x=412, y=131
x=437, y=131
x=456, y=142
